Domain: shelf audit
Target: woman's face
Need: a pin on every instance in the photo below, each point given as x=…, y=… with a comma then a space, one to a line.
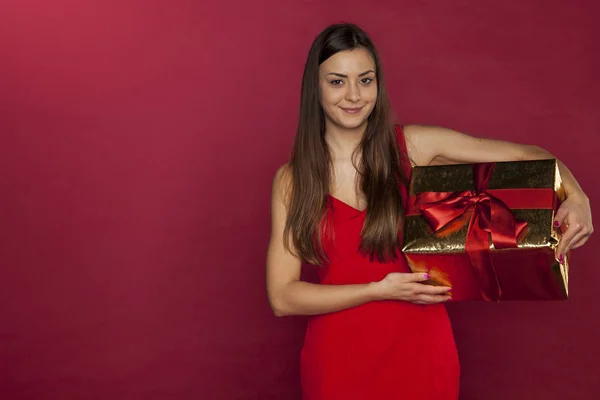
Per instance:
x=348, y=88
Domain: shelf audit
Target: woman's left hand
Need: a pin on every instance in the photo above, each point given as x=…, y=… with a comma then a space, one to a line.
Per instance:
x=575, y=214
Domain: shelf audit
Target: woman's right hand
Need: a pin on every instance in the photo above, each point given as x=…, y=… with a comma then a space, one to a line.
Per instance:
x=409, y=287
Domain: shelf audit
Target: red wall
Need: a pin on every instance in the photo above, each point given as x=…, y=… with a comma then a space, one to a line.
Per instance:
x=138, y=144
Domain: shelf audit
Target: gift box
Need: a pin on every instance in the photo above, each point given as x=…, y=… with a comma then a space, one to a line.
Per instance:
x=487, y=230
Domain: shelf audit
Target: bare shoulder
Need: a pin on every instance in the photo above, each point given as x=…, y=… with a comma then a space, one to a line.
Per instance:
x=422, y=141
x=282, y=175
x=282, y=183
x=426, y=133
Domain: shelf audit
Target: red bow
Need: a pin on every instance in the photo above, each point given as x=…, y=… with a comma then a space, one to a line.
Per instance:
x=491, y=216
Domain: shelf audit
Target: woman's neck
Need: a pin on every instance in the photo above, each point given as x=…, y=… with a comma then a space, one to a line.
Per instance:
x=343, y=142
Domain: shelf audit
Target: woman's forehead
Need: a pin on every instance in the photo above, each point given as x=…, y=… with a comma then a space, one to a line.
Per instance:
x=349, y=62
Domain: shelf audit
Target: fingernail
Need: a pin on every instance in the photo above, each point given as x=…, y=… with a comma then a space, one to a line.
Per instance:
x=561, y=259
x=556, y=224
x=426, y=276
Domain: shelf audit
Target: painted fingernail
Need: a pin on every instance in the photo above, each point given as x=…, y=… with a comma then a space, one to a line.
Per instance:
x=556, y=224
x=561, y=259
x=426, y=276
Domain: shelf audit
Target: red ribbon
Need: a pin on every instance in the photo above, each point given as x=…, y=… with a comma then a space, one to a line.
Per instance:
x=491, y=216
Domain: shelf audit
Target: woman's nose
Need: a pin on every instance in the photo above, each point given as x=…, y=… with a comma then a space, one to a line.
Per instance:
x=353, y=93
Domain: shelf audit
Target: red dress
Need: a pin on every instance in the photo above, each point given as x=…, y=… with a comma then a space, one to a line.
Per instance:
x=380, y=350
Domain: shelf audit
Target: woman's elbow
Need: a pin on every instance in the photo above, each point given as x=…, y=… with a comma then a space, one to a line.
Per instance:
x=278, y=306
x=278, y=312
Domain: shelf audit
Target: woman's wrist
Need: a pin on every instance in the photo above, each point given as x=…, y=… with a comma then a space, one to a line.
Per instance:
x=578, y=195
x=375, y=290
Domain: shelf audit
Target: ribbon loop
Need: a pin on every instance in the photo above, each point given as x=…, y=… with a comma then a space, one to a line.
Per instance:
x=490, y=218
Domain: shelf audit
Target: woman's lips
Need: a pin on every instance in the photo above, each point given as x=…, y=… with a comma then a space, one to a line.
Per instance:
x=352, y=110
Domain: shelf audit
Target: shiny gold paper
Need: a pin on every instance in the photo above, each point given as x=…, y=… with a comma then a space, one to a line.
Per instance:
x=535, y=259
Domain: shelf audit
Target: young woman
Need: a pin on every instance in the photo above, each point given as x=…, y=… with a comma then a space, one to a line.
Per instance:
x=376, y=331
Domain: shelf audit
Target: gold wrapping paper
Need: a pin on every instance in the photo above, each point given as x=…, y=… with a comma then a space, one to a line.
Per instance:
x=530, y=271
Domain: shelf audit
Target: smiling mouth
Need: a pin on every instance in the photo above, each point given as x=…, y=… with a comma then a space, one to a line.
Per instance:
x=352, y=110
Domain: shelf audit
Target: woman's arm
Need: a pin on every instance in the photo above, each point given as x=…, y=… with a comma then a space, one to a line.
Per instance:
x=288, y=295
x=429, y=145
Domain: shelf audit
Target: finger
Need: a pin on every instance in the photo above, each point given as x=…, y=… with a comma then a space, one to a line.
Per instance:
x=423, y=303
x=417, y=277
x=418, y=288
x=433, y=290
x=432, y=299
x=561, y=216
x=566, y=239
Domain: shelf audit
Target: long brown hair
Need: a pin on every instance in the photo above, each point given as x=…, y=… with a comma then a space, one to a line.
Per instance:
x=379, y=169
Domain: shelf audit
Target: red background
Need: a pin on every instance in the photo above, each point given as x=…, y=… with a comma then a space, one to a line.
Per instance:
x=138, y=144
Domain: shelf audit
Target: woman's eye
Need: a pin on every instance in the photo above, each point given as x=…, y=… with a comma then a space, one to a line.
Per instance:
x=366, y=81
x=337, y=82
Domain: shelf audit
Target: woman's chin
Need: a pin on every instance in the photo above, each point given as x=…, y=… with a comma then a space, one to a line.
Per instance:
x=352, y=123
